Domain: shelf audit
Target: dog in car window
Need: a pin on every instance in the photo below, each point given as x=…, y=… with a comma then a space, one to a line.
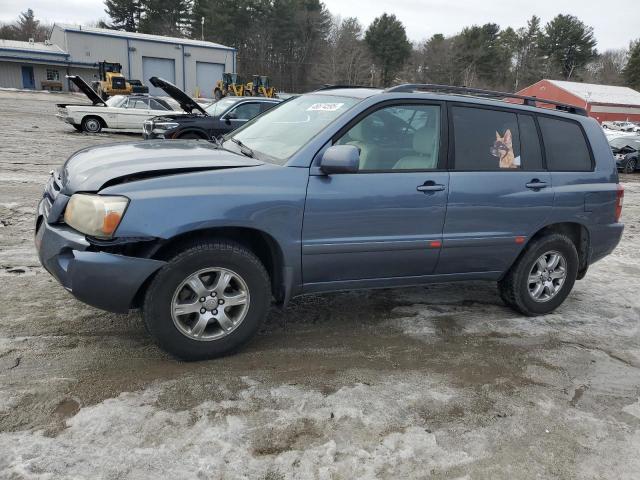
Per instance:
x=503, y=149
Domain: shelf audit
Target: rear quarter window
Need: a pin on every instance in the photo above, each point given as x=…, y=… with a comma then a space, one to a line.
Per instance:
x=565, y=145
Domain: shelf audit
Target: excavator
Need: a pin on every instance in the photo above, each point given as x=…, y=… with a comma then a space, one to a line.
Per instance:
x=229, y=85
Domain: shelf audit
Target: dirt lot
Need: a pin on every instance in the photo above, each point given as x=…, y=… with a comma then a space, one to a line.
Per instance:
x=435, y=382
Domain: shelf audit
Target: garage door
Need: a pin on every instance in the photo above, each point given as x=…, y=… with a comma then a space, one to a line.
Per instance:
x=158, y=67
x=207, y=74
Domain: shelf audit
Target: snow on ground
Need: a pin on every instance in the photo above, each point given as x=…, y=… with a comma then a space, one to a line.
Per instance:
x=439, y=382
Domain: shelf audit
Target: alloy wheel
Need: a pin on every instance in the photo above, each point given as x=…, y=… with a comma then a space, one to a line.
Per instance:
x=547, y=276
x=210, y=304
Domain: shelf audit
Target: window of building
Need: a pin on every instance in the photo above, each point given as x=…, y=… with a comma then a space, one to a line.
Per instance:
x=401, y=137
x=53, y=75
x=486, y=139
x=565, y=145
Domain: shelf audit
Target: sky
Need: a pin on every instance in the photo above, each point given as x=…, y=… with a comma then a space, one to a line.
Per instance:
x=614, y=21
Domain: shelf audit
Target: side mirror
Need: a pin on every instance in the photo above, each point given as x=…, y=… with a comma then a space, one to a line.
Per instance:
x=340, y=159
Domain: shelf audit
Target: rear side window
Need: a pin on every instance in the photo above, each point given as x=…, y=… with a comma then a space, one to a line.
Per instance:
x=565, y=145
x=486, y=139
x=266, y=106
x=156, y=105
x=530, y=143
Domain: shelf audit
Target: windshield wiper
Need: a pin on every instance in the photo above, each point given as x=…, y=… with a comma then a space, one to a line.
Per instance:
x=243, y=148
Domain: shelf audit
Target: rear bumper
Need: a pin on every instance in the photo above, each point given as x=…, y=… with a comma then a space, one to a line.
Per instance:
x=103, y=280
x=65, y=118
x=604, y=239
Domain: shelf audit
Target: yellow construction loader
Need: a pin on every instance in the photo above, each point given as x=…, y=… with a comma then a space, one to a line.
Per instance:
x=111, y=81
x=229, y=85
x=260, y=87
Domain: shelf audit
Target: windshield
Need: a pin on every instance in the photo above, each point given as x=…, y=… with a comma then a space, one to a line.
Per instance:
x=633, y=142
x=216, y=108
x=115, y=101
x=283, y=130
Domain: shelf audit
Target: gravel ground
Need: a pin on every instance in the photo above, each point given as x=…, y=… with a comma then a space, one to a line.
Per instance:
x=435, y=382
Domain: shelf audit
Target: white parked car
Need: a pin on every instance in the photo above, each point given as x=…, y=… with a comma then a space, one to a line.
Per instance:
x=120, y=111
x=621, y=126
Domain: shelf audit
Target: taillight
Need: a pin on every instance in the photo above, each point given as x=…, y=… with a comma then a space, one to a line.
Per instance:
x=619, y=199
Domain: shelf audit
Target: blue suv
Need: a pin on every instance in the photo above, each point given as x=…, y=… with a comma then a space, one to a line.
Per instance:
x=341, y=188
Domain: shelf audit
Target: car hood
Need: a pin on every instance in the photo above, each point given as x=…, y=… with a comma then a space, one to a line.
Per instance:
x=87, y=90
x=94, y=168
x=187, y=103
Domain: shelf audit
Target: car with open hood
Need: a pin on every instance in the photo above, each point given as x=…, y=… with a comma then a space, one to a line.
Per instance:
x=626, y=150
x=118, y=112
x=338, y=189
x=203, y=121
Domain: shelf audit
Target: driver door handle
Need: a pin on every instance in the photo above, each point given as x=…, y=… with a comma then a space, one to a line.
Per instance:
x=535, y=184
x=430, y=186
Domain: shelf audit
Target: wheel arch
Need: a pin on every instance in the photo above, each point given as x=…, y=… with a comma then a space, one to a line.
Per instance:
x=193, y=130
x=576, y=232
x=94, y=115
x=261, y=243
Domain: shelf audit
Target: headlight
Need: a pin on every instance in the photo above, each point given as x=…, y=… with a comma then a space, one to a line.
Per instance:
x=95, y=215
x=165, y=125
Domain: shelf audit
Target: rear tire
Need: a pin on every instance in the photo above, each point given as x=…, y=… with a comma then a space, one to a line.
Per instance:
x=551, y=284
x=178, y=333
x=91, y=124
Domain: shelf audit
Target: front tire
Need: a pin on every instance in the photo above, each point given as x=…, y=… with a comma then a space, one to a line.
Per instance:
x=542, y=278
x=192, y=136
x=630, y=166
x=208, y=300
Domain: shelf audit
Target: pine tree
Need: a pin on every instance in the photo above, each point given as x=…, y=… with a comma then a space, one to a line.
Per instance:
x=481, y=56
x=631, y=72
x=124, y=14
x=569, y=44
x=529, y=58
x=166, y=17
x=25, y=28
x=390, y=49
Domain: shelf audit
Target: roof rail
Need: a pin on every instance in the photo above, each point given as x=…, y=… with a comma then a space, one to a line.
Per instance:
x=477, y=92
x=328, y=86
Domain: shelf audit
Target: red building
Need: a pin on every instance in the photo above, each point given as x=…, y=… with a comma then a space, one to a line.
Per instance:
x=603, y=102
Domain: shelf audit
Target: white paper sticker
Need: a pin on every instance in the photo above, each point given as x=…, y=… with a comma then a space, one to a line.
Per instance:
x=325, y=107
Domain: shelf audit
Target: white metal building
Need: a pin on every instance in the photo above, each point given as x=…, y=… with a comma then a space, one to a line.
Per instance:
x=36, y=66
x=192, y=65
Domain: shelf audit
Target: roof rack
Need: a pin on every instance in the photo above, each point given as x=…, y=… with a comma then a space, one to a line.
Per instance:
x=477, y=92
x=328, y=86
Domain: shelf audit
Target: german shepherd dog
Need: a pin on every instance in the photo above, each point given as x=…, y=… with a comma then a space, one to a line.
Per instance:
x=503, y=149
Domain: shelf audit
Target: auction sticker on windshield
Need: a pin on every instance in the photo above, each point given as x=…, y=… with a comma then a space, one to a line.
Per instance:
x=325, y=107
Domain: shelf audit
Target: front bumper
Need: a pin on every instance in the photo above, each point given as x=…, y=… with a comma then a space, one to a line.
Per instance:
x=103, y=280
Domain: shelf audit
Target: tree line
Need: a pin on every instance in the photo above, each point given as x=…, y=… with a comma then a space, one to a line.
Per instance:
x=301, y=45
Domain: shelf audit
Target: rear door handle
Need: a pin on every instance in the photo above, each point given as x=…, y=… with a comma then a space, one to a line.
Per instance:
x=430, y=186
x=536, y=184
